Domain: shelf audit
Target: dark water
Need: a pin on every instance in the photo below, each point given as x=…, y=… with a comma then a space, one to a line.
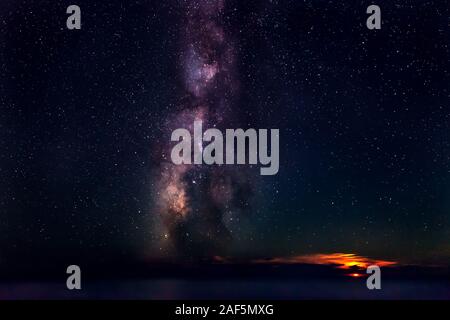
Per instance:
x=345, y=288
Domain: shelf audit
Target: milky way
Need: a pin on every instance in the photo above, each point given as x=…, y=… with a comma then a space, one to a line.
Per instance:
x=196, y=204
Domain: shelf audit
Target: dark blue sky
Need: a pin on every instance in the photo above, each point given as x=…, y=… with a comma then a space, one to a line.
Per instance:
x=363, y=118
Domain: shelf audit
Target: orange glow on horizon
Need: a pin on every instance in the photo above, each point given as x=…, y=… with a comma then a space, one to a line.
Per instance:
x=356, y=275
x=340, y=260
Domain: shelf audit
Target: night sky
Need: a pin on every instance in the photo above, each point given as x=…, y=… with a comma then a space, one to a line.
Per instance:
x=86, y=117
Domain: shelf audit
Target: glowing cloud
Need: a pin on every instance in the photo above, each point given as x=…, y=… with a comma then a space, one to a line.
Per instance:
x=340, y=260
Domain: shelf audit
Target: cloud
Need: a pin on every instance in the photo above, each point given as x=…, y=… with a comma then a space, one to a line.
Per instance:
x=340, y=260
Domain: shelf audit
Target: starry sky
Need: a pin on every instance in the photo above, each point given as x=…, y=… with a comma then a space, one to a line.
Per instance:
x=86, y=117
